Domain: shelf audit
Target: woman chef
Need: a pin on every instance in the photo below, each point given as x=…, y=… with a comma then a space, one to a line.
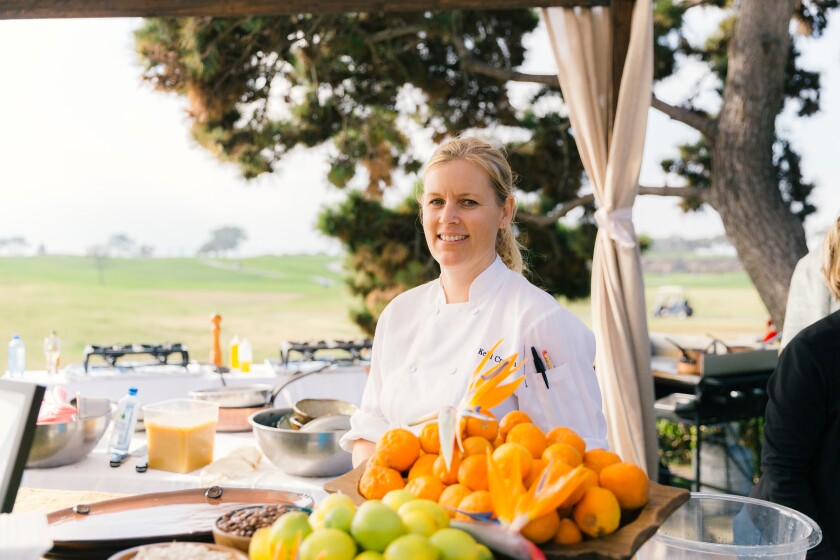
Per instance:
x=429, y=339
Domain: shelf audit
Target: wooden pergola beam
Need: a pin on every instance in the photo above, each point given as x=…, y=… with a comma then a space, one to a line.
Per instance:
x=36, y=9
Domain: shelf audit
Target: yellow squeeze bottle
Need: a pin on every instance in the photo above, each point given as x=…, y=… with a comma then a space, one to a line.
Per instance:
x=234, y=353
x=245, y=356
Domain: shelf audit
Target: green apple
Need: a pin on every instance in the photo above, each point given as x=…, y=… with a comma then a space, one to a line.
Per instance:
x=395, y=498
x=375, y=526
x=413, y=547
x=332, y=501
x=286, y=528
x=419, y=522
x=428, y=506
x=455, y=544
x=328, y=544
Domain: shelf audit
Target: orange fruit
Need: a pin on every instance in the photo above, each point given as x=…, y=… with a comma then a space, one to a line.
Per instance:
x=488, y=429
x=590, y=481
x=477, y=502
x=562, y=434
x=537, y=466
x=447, y=476
x=562, y=452
x=423, y=465
x=530, y=436
x=452, y=496
x=507, y=453
x=628, y=482
x=378, y=481
x=498, y=441
x=429, y=438
x=476, y=445
x=511, y=419
x=426, y=487
x=473, y=472
x=597, y=514
x=542, y=529
x=567, y=533
x=597, y=459
x=398, y=449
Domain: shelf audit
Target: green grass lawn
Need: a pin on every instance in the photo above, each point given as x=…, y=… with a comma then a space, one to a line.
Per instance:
x=266, y=299
x=170, y=300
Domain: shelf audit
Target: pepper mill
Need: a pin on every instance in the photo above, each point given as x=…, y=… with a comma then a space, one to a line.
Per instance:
x=216, y=349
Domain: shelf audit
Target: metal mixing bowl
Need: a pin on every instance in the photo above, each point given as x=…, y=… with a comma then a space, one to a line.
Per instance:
x=65, y=443
x=299, y=453
x=307, y=410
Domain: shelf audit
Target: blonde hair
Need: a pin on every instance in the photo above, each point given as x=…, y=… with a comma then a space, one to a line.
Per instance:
x=830, y=259
x=494, y=163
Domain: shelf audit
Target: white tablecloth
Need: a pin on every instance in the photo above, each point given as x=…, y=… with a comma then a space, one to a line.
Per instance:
x=345, y=383
x=95, y=474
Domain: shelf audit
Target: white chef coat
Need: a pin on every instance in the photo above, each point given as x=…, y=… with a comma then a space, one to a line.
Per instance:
x=425, y=350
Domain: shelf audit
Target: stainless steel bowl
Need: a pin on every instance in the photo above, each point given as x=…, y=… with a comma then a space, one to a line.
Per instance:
x=65, y=443
x=299, y=453
x=307, y=410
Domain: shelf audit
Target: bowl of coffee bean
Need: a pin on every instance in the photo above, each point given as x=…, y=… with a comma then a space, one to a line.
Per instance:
x=236, y=527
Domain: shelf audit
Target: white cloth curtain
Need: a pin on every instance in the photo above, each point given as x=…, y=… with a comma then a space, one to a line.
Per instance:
x=581, y=42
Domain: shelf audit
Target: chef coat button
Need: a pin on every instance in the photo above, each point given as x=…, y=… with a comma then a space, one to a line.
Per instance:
x=453, y=371
x=412, y=369
x=475, y=311
x=437, y=310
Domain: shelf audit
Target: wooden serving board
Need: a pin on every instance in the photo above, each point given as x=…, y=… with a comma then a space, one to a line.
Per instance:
x=621, y=545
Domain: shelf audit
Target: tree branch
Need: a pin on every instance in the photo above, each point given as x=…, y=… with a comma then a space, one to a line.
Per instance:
x=697, y=120
x=389, y=34
x=562, y=209
x=702, y=122
x=470, y=64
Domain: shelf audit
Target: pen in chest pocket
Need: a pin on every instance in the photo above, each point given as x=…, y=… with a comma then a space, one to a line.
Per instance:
x=538, y=363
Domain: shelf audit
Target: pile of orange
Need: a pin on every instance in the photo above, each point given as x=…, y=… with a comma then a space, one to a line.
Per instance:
x=403, y=460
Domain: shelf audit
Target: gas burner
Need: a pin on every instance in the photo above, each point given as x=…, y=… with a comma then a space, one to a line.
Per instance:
x=160, y=352
x=327, y=350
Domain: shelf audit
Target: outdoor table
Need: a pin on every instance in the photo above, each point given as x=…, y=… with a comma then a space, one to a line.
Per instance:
x=94, y=474
x=716, y=400
x=345, y=382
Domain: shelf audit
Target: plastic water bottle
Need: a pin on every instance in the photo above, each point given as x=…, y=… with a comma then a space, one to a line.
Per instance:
x=245, y=356
x=17, y=357
x=125, y=420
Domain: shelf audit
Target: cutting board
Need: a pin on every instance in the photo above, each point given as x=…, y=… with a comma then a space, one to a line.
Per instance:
x=621, y=545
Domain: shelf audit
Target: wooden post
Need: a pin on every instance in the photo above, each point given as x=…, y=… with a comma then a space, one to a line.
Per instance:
x=31, y=9
x=621, y=18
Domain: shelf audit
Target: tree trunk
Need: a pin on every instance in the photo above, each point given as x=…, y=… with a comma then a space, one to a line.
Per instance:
x=768, y=237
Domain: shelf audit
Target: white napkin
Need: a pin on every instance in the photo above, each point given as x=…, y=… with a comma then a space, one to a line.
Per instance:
x=239, y=463
x=23, y=536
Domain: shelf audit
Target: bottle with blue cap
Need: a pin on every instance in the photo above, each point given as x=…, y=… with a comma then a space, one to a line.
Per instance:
x=17, y=357
x=125, y=420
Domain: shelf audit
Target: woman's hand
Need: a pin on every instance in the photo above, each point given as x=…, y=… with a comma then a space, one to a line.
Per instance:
x=362, y=450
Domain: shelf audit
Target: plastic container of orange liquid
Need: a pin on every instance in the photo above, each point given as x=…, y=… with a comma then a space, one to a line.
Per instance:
x=180, y=434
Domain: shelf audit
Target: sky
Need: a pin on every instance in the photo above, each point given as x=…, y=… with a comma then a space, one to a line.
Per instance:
x=88, y=151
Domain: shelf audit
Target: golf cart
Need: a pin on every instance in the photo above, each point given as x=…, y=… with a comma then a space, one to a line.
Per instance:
x=671, y=302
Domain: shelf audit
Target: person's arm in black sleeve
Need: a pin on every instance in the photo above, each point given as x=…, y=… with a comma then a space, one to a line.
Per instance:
x=794, y=422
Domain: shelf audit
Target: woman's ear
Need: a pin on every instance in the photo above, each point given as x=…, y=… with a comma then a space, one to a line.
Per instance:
x=508, y=210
